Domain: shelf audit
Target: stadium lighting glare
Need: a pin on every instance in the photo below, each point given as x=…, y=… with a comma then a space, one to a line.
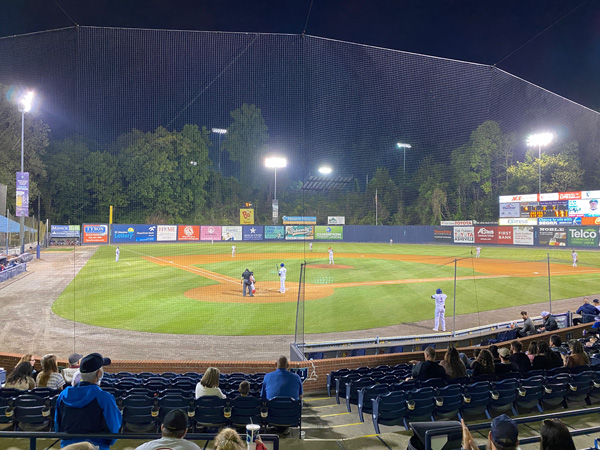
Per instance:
x=325, y=170
x=220, y=132
x=403, y=147
x=24, y=106
x=275, y=162
x=539, y=140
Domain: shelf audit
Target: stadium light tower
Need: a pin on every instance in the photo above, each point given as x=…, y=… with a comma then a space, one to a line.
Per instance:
x=403, y=147
x=220, y=132
x=24, y=106
x=539, y=140
x=275, y=162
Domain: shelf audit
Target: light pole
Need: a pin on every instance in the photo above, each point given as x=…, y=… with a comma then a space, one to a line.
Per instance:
x=24, y=106
x=403, y=147
x=275, y=162
x=539, y=140
x=220, y=132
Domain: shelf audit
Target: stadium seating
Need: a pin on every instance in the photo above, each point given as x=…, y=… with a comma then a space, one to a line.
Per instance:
x=284, y=412
x=389, y=409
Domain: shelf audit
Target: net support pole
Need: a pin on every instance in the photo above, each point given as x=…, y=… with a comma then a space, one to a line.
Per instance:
x=454, y=315
x=549, y=286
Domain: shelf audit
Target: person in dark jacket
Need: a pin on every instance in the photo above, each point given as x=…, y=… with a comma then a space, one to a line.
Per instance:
x=549, y=322
x=587, y=311
x=86, y=408
x=519, y=358
x=505, y=365
x=429, y=368
x=546, y=358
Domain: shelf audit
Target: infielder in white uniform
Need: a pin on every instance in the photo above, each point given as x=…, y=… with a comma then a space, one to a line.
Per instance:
x=233, y=251
x=117, y=253
x=330, y=250
x=478, y=251
x=574, y=256
x=440, y=309
x=282, y=273
x=310, y=246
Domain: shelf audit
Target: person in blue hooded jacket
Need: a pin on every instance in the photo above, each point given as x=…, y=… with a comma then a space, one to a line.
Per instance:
x=87, y=409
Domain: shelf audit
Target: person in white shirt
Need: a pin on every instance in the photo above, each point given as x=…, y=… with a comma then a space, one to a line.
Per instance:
x=478, y=251
x=574, y=256
x=117, y=253
x=330, y=250
x=310, y=246
x=440, y=309
x=173, y=431
x=282, y=274
x=233, y=251
x=209, y=384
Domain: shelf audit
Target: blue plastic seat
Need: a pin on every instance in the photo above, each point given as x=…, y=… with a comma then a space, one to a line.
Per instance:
x=554, y=395
x=211, y=412
x=529, y=396
x=284, y=412
x=340, y=384
x=333, y=376
x=6, y=414
x=246, y=410
x=33, y=413
x=448, y=401
x=476, y=397
x=503, y=397
x=365, y=397
x=580, y=385
x=420, y=406
x=352, y=388
x=169, y=402
x=389, y=409
x=140, y=419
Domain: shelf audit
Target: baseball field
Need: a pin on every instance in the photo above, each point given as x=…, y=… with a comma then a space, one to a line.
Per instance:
x=195, y=288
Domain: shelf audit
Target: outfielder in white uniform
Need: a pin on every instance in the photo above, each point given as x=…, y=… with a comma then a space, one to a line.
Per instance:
x=282, y=273
x=440, y=309
x=117, y=253
x=478, y=249
x=310, y=246
x=574, y=256
x=233, y=251
x=331, y=256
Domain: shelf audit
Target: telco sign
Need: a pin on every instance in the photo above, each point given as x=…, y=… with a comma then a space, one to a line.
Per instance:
x=583, y=237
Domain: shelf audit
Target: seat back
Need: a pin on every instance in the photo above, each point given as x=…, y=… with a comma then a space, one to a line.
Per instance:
x=284, y=412
x=246, y=410
x=140, y=419
x=210, y=412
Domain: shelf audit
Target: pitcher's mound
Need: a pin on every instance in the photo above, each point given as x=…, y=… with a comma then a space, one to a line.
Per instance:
x=330, y=266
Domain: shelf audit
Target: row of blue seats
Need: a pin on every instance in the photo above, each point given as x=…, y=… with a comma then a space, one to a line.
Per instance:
x=188, y=375
x=402, y=403
x=28, y=412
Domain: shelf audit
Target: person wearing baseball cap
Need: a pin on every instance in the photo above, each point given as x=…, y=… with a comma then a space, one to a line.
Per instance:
x=85, y=408
x=173, y=431
x=503, y=435
x=549, y=322
x=505, y=365
x=70, y=371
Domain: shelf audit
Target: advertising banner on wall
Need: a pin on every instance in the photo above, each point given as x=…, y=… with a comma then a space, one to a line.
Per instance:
x=95, y=233
x=442, y=233
x=299, y=220
x=456, y=223
x=336, y=220
x=552, y=236
x=145, y=233
x=123, y=233
x=253, y=233
x=231, y=233
x=589, y=221
x=22, y=190
x=505, y=235
x=210, y=233
x=166, y=232
x=486, y=235
x=65, y=231
x=518, y=221
x=560, y=221
x=523, y=235
x=188, y=233
x=584, y=208
x=511, y=209
x=464, y=235
x=299, y=232
x=329, y=233
x=582, y=237
x=247, y=216
x=274, y=232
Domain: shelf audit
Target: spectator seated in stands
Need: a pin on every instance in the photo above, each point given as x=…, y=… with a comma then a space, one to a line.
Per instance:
x=503, y=435
x=484, y=364
x=31, y=360
x=505, y=365
x=244, y=388
x=532, y=350
x=578, y=356
x=546, y=359
x=20, y=378
x=173, y=430
x=281, y=382
x=494, y=351
x=429, y=368
x=556, y=345
x=528, y=326
x=554, y=435
x=519, y=358
x=593, y=345
x=587, y=312
x=229, y=439
x=209, y=384
x=86, y=408
x=549, y=322
x=49, y=376
x=453, y=365
x=596, y=323
x=70, y=371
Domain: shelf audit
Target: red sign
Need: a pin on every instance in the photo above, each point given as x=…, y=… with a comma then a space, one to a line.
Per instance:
x=569, y=195
x=188, y=233
x=486, y=235
x=505, y=235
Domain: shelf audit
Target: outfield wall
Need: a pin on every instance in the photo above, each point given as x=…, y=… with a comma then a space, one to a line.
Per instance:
x=521, y=235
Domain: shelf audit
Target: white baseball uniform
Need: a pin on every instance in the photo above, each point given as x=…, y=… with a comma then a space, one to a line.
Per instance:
x=310, y=246
x=331, y=256
x=574, y=256
x=440, y=311
x=478, y=248
x=117, y=253
x=282, y=273
x=232, y=251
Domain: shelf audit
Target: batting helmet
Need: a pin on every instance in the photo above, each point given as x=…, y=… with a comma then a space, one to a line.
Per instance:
x=438, y=291
x=282, y=264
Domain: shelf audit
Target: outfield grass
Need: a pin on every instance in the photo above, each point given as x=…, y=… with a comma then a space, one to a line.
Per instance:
x=138, y=294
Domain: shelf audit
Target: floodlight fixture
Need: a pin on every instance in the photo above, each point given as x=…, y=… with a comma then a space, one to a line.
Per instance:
x=219, y=130
x=275, y=162
x=403, y=147
x=26, y=102
x=539, y=140
x=325, y=170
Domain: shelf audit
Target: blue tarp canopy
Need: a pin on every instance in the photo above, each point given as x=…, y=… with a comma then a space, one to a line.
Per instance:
x=13, y=227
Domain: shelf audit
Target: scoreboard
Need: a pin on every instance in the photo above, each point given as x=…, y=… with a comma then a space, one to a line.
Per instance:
x=544, y=209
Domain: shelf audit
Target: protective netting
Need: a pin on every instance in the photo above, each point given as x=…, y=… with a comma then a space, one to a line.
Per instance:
x=131, y=115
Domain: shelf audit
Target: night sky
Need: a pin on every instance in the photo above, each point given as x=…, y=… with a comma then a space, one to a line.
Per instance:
x=552, y=43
